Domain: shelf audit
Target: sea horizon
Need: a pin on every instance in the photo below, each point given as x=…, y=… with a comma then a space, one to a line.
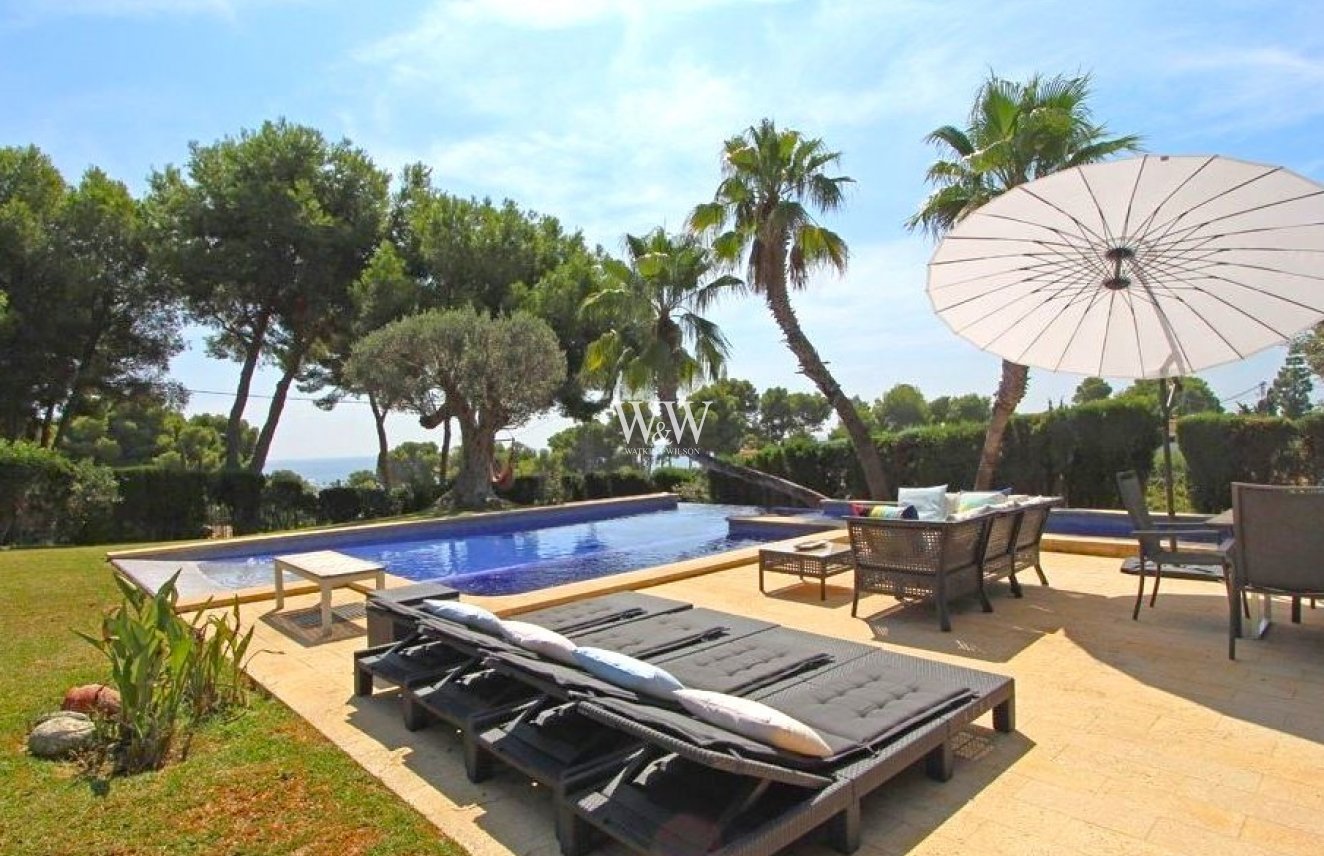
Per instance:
x=323, y=472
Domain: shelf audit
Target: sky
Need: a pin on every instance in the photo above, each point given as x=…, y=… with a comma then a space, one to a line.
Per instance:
x=610, y=115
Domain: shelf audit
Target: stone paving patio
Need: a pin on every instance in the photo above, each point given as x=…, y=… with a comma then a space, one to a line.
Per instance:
x=1133, y=737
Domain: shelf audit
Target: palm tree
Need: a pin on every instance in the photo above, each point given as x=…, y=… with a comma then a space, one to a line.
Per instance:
x=1017, y=132
x=658, y=338
x=763, y=212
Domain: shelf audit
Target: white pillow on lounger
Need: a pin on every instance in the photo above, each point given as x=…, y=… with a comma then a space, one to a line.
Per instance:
x=540, y=640
x=754, y=720
x=626, y=672
x=482, y=620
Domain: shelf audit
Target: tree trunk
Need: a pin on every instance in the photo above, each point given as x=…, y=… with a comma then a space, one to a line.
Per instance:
x=383, y=447
x=444, y=464
x=1011, y=389
x=806, y=496
x=268, y=432
x=233, y=426
x=44, y=432
x=75, y=399
x=811, y=364
x=473, y=485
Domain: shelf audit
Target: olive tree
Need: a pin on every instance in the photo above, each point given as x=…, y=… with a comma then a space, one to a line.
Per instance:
x=488, y=373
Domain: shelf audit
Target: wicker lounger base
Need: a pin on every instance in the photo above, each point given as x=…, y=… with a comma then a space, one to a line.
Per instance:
x=403, y=663
x=672, y=805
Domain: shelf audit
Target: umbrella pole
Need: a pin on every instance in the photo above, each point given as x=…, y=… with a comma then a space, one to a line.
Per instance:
x=1165, y=411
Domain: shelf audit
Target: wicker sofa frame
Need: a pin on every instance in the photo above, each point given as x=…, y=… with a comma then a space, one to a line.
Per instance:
x=945, y=560
x=918, y=559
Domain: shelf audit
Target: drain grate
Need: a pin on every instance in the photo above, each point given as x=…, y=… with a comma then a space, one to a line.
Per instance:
x=312, y=617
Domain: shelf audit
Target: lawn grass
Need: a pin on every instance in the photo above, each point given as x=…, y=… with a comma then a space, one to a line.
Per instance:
x=261, y=782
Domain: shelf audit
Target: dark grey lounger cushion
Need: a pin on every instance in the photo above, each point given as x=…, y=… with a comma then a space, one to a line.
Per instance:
x=658, y=635
x=856, y=708
x=582, y=615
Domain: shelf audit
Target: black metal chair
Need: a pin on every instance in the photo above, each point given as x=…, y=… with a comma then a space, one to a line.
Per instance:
x=1151, y=535
x=1276, y=549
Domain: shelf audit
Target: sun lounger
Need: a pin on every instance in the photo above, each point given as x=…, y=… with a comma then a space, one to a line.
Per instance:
x=551, y=743
x=472, y=695
x=417, y=658
x=695, y=788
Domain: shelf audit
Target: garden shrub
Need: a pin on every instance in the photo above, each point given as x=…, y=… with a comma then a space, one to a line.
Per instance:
x=603, y=485
x=240, y=492
x=171, y=674
x=338, y=504
x=1106, y=437
x=375, y=502
x=670, y=478
x=46, y=498
x=160, y=504
x=932, y=454
x=288, y=501
x=1221, y=448
x=1071, y=451
x=525, y=490
x=1310, y=428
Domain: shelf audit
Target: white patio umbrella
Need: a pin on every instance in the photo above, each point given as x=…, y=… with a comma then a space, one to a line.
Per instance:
x=1150, y=267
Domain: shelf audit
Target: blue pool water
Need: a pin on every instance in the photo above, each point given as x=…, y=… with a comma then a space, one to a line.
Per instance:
x=510, y=562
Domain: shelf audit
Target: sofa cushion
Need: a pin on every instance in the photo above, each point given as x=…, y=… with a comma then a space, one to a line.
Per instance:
x=972, y=499
x=893, y=512
x=930, y=502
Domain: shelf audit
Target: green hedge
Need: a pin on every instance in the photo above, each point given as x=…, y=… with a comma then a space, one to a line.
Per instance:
x=1221, y=448
x=45, y=498
x=1311, y=430
x=160, y=505
x=1074, y=452
x=603, y=485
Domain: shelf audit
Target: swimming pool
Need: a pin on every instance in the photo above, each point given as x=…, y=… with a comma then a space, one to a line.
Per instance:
x=511, y=557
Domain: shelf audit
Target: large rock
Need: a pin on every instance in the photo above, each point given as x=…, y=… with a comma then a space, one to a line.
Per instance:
x=91, y=698
x=60, y=734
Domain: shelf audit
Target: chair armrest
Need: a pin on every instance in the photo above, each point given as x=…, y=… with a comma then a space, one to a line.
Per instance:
x=1225, y=547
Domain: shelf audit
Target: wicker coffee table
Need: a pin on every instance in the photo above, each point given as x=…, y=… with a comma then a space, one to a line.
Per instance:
x=822, y=562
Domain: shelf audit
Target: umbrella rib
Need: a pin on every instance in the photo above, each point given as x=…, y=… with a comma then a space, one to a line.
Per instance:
x=1263, y=292
x=1171, y=224
x=1240, y=311
x=1041, y=273
x=1080, y=322
x=1109, y=239
x=993, y=292
x=1135, y=328
x=1165, y=322
x=1079, y=286
x=1091, y=237
x=1050, y=254
x=1067, y=237
x=1186, y=236
x=1186, y=231
x=1143, y=229
x=1131, y=200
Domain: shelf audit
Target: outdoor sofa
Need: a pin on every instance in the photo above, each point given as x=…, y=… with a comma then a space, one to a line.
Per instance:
x=946, y=559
